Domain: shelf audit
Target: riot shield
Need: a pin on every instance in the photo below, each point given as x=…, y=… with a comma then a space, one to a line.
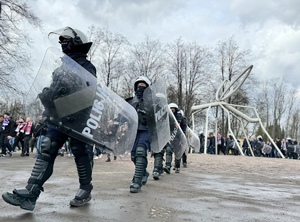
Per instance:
x=178, y=140
x=293, y=148
x=156, y=106
x=193, y=139
x=79, y=107
x=258, y=147
x=267, y=149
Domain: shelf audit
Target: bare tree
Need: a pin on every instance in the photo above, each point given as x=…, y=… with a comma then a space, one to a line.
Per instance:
x=279, y=106
x=198, y=66
x=107, y=54
x=176, y=59
x=145, y=59
x=263, y=104
x=278, y=100
x=187, y=64
x=293, y=125
x=292, y=107
x=14, y=60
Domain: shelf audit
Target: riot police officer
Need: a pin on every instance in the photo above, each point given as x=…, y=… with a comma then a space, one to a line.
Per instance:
x=182, y=123
x=142, y=140
x=74, y=44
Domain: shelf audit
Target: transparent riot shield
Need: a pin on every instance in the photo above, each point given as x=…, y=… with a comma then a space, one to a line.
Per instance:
x=76, y=105
x=193, y=139
x=178, y=140
x=156, y=106
x=267, y=149
x=293, y=148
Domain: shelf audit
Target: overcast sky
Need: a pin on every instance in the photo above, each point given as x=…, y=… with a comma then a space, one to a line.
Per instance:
x=269, y=28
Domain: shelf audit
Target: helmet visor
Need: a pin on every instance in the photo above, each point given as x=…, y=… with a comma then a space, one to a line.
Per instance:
x=63, y=34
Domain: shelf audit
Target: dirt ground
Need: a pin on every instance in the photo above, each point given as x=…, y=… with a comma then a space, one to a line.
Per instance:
x=212, y=188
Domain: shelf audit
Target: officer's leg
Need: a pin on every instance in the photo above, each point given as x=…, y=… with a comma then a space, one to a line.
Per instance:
x=158, y=165
x=184, y=160
x=42, y=170
x=177, y=165
x=108, y=157
x=83, y=154
x=169, y=153
x=139, y=157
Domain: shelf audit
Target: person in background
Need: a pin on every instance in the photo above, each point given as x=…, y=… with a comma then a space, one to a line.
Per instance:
x=27, y=131
x=6, y=133
x=19, y=138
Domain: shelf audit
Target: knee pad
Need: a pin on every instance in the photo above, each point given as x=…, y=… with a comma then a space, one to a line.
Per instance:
x=140, y=151
x=49, y=149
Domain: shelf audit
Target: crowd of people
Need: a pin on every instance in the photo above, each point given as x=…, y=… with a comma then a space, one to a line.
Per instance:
x=20, y=134
x=256, y=146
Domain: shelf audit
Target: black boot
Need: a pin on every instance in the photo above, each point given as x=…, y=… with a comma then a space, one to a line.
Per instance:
x=167, y=169
x=140, y=168
x=169, y=153
x=136, y=184
x=184, y=160
x=108, y=158
x=135, y=187
x=24, y=198
x=155, y=174
x=145, y=177
x=84, y=165
x=157, y=166
x=82, y=196
x=177, y=165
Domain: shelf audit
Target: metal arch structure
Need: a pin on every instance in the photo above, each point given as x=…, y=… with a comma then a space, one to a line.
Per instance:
x=230, y=87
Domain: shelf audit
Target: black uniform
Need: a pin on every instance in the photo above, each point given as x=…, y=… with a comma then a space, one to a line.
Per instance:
x=54, y=140
x=182, y=123
x=169, y=150
x=141, y=144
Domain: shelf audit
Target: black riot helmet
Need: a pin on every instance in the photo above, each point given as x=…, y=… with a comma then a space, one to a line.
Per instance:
x=71, y=40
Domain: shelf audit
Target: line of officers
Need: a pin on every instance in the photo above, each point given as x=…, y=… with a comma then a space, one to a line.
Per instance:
x=75, y=45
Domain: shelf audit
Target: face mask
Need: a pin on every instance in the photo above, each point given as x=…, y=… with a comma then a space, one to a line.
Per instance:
x=65, y=46
x=139, y=91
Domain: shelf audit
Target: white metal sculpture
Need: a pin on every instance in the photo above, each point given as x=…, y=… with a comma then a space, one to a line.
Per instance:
x=229, y=88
